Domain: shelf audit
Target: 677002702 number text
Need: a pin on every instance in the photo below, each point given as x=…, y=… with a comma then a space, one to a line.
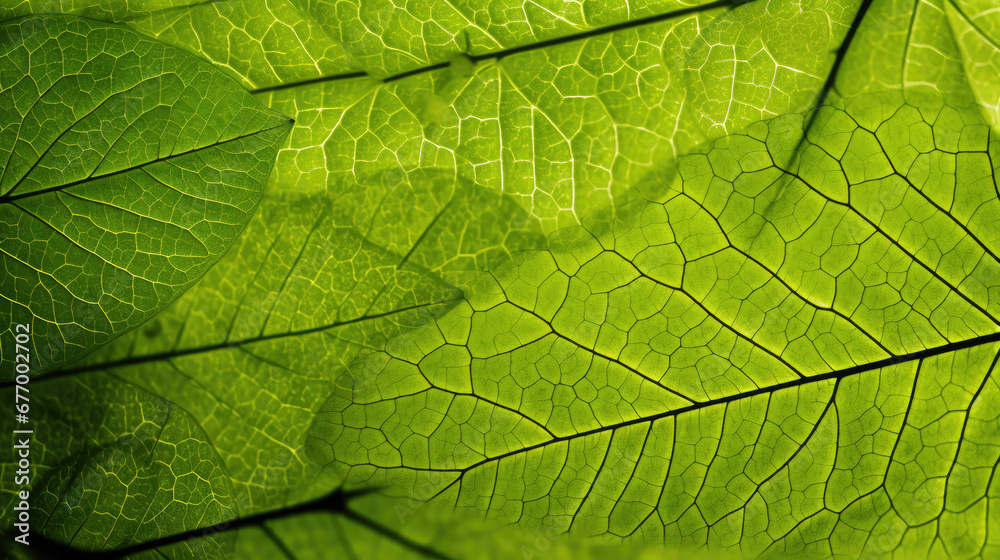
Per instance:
x=22, y=437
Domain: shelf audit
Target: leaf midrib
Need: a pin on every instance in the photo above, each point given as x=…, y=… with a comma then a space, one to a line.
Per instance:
x=8, y=199
x=160, y=356
x=500, y=54
x=832, y=375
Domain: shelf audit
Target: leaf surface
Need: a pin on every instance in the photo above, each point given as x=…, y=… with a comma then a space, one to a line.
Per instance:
x=259, y=43
x=129, y=169
x=565, y=128
x=726, y=369
x=254, y=349
x=789, y=349
x=112, y=465
x=778, y=343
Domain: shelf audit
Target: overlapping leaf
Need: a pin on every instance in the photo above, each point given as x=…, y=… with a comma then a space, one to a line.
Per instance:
x=253, y=350
x=129, y=169
x=565, y=128
x=783, y=344
x=789, y=350
x=258, y=42
x=113, y=465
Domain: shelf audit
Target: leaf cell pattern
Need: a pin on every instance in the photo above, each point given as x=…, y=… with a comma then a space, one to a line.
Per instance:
x=775, y=357
x=568, y=128
x=123, y=179
x=254, y=349
x=782, y=343
x=140, y=470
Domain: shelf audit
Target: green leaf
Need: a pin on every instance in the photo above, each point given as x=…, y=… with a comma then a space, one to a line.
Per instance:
x=387, y=38
x=115, y=465
x=790, y=350
x=751, y=363
x=258, y=42
x=254, y=349
x=129, y=169
x=565, y=113
x=565, y=128
x=780, y=343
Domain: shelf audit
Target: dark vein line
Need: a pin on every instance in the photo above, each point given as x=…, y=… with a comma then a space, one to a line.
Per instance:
x=906, y=418
x=274, y=364
x=77, y=244
x=180, y=332
x=394, y=536
x=759, y=487
x=990, y=372
x=213, y=347
x=8, y=198
x=422, y=70
x=658, y=18
x=515, y=412
x=253, y=283
x=67, y=130
x=948, y=213
x=334, y=502
x=594, y=351
x=191, y=195
x=193, y=381
x=597, y=476
x=497, y=55
x=896, y=243
x=291, y=269
x=712, y=315
x=27, y=112
x=974, y=25
x=81, y=459
x=663, y=485
x=152, y=461
x=423, y=234
x=779, y=279
x=140, y=217
x=833, y=375
x=703, y=477
x=831, y=78
x=277, y=541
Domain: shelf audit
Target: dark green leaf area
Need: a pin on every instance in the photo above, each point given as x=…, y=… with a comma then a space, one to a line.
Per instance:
x=112, y=465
